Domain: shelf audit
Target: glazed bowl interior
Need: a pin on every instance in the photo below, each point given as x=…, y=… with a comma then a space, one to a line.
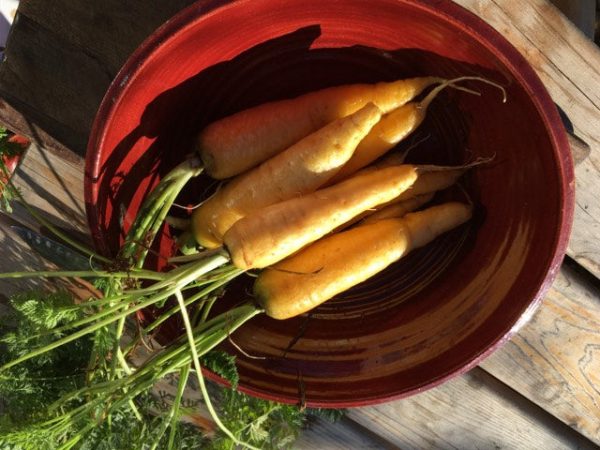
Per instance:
x=426, y=318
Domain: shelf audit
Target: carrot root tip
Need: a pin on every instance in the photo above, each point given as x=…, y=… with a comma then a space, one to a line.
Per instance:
x=423, y=104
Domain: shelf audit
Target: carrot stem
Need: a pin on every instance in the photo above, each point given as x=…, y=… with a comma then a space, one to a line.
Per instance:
x=196, y=361
x=183, y=377
x=156, y=207
x=184, y=275
x=141, y=274
x=198, y=296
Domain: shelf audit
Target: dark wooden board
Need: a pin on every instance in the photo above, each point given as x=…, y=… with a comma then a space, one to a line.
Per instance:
x=61, y=57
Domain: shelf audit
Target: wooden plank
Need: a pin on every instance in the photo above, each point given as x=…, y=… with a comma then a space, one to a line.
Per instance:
x=93, y=27
x=554, y=360
x=581, y=12
x=53, y=186
x=569, y=66
x=12, y=119
x=60, y=60
x=473, y=411
x=17, y=256
x=52, y=83
x=342, y=435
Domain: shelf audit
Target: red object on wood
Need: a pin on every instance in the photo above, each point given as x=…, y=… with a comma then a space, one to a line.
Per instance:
x=428, y=318
x=11, y=162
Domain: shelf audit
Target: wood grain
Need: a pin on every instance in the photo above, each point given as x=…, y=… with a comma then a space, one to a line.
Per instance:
x=554, y=360
x=342, y=435
x=59, y=61
x=474, y=411
x=93, y=27
x=52, y=83
x=17, y=256
x=569, y=66
x=54, y=187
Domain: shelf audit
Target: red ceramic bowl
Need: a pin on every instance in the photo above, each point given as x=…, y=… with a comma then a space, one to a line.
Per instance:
x=435, y=314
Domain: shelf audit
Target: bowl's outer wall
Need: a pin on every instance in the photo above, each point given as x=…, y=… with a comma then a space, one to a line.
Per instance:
x=217, y=57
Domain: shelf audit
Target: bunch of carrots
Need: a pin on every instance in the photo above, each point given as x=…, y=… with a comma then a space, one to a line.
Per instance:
x=309, y=200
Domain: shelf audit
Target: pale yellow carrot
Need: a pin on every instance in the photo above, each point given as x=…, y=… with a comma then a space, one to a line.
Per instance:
x=241, y=141
x=392, y=129
x=275, y=232
x=393, y=208
x=432, y=179
x=340, y=261
x=398, y=209
x=299, y=170
x=397, y=125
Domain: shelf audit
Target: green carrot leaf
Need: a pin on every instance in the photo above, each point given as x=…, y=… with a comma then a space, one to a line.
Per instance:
x=223, y=364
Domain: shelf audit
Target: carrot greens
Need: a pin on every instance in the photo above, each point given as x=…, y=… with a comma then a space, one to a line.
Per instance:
x=47, y=404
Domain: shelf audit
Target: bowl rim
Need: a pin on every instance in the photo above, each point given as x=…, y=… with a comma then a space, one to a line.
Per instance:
x=445, y=10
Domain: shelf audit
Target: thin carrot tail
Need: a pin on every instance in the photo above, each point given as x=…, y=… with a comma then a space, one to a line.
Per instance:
x=481, y=160
x=426, y=225
x=424, y=104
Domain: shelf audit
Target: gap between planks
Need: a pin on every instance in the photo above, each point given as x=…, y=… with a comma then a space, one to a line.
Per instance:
x=554, y=360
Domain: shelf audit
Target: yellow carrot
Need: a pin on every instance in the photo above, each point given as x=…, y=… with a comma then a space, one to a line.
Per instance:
x=398, y=209
x=393, y=208
x=432, y=179
x=239, y=142
x=272, y=233
x=392, y=129
x=395, y=126
x=341, y=261
x=300, y=169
